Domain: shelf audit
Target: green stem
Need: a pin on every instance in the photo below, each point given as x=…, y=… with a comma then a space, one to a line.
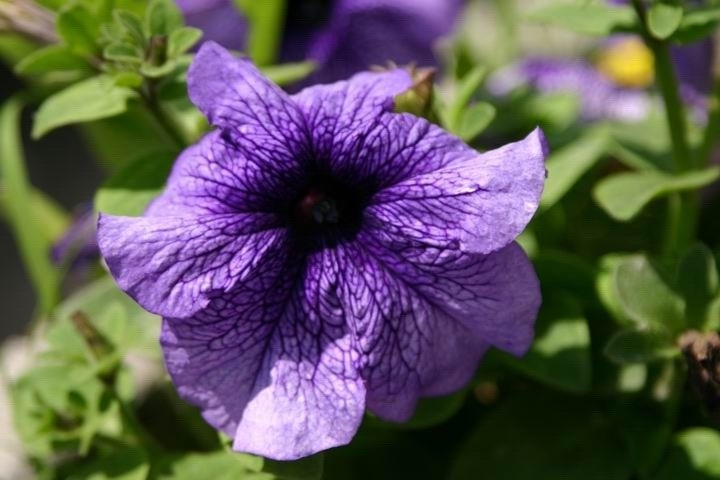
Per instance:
x=683, y=207
x=266, y=23
x=681, y=225
x=165, y=120
x=508, y=22
x=132, y=425
x=710, y=139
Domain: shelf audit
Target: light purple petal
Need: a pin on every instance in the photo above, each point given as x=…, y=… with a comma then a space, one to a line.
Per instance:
x=172, y=265
x=495, y=296
x=214, y=357
x=475, y=203
x=408, y=346
x=266, y=365
x=236, y=97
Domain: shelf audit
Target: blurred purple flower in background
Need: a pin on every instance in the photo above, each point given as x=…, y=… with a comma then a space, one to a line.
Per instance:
x=600, y=98
x=342, y=36
x=616, y=85
x=78, y=245
x=220, y=21
x=319, y=254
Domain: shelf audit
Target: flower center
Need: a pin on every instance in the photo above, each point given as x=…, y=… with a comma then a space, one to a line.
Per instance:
x=628, y=63
x=317, y=208
x=327, y=209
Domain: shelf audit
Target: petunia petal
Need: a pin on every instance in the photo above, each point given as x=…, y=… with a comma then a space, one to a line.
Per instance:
x=236, y=97
x=496, y=296
x=475, y=203
x=268, y=368
x=172, y=265
x=408, y=346
x=214, y=356
x=220, y=176
x=340, y=114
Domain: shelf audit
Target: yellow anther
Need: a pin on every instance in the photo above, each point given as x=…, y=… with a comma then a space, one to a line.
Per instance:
x=628, y=63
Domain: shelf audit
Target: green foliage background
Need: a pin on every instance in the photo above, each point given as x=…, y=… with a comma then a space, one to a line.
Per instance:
x=625, y=249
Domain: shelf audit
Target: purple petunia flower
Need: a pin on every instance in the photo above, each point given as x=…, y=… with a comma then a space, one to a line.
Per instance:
x=341, y=36
x=319, y=254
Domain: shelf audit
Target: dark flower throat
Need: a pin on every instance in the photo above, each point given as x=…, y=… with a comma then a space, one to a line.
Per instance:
x=329, y=209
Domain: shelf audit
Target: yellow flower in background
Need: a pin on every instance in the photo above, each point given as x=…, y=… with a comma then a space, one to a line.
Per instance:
x=628, y=63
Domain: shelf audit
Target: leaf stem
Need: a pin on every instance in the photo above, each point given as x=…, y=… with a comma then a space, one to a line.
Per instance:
x=683, y=208
x=34, y=248
x=710, y=138
x=165, y=120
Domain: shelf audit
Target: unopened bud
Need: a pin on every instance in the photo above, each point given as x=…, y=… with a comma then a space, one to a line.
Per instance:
x=418, y=99
x=157, y=50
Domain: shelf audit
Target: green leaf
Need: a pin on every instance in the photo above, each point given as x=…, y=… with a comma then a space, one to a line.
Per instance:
x=53, y=58
x=157, y=71
x=556, y=110
x=566, y=165
x=664, y=19
x=640, y=346
x=647, y=425
x=162, y=18
x=233, y=466
x=434, y=411
x=182, y=40
x=697, y=24
x=567, y=272
x=309, y=468
x=128, y=463
x=466, y=89
x=591, y=19
x=543, y=437
x=713, y=316
x=130, y=190
x=119, y=140
x=266, y=23
x=288, y=73
x=695, y=455
x=14, y=48
x=645, y=296
x=217, y=465
x=113, y=313
x=624, y=195
x=697, y=281
x=606, y=289
x=474, y=120
x=429, y=412
x=79, y=29
x=123, y=52
x=92, y=99
x=560, y=354
x=128, y=79
x=132, y=25
x=34, y=246
x=51, y=218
